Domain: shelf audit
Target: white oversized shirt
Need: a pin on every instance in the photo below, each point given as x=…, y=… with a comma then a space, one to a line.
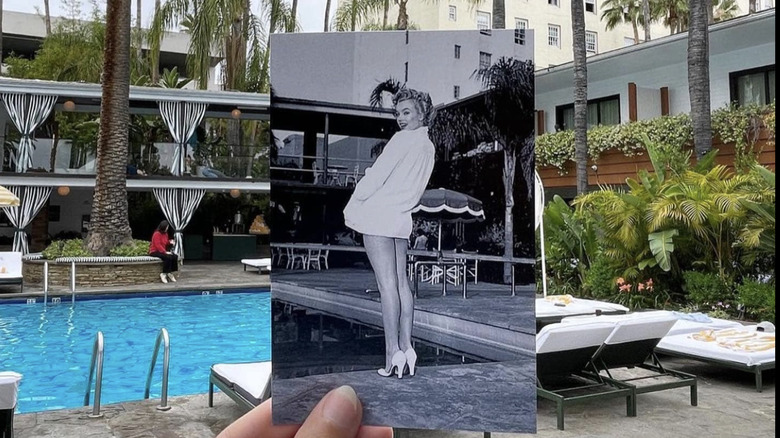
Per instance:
x=384, y=198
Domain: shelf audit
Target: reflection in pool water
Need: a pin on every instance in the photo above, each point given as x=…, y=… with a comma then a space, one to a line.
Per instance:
x=307, y=342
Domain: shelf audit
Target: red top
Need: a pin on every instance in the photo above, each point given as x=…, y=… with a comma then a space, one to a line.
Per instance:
x=159, y=242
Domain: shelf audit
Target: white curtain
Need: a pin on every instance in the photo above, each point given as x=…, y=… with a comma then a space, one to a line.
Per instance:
x=27, y=111
x=181, y=118
x=31, y=199
x=178, y=205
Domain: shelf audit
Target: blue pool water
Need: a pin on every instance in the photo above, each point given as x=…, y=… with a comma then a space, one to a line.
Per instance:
x=51, y=346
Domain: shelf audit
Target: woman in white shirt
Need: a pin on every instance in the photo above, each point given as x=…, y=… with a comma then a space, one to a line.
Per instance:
x=380, y=209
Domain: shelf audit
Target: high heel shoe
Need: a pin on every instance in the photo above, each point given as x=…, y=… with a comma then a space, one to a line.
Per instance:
x=397, y=362
x=411, y=360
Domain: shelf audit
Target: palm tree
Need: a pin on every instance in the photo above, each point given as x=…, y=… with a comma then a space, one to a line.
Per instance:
x=47, y=16
x=355, y=14
x=110, y=226
x=326, y=26
x=499, y=14
x=616, y=12
x=580, y=94
x=726, y=10
x=672, y=13
x=646, y=18
x=699, y=76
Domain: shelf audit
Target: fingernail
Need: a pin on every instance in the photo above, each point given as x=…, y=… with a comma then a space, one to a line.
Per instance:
x=340, y=407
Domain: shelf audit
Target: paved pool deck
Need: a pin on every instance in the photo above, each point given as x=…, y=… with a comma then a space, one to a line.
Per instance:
x=729, y=406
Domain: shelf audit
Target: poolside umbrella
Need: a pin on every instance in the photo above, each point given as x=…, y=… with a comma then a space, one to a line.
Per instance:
x=445, y=205
x=7, y=198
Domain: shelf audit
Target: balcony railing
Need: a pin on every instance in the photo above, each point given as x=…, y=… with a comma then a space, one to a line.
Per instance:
x=316, y=169
x=201, y=160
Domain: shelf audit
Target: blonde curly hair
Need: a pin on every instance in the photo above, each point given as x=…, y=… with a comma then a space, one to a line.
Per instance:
x=422, y=101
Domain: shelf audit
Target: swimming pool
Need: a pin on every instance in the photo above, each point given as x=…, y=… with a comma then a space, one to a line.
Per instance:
x=51, y=346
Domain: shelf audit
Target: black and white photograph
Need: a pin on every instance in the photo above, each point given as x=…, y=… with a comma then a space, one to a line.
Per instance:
x=403, y=226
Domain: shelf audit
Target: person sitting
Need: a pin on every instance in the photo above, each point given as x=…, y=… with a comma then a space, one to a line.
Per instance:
x=421, y=241
x=160, y=248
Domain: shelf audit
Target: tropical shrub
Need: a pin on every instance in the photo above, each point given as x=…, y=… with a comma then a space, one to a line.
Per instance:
x=66, y=248
x=600, y=279
x=758, y=299
x=640, y=295
x=706, y=290
x=136, y=248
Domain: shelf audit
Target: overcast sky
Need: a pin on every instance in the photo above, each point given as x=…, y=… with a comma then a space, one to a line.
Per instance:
x=311, y=13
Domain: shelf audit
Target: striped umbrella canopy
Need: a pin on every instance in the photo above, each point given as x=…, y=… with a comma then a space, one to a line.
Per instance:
x=7, y=198
x=445, y=205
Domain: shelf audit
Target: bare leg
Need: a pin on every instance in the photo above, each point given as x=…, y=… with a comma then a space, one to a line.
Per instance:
x=381, y=254
x=405, y=294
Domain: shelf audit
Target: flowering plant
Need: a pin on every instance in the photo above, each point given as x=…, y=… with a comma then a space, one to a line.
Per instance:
x=640, y=295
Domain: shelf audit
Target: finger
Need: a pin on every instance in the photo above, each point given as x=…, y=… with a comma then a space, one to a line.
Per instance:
x=257, y=423
x=337, y=415
x=375, y=432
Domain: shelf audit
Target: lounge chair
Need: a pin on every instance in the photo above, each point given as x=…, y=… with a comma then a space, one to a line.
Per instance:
x=262, y=265
x=11, y=269
x=685, y=322
x=554, y=308
x=630, y=348
x=563, y=354
x=248, y=384
x=741, y=348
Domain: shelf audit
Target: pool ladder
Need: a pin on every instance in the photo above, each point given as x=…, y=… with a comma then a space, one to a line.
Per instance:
x=96, y=369
x=95, y=363
x=162, y=338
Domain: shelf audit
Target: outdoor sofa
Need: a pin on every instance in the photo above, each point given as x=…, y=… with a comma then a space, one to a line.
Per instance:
x=248, y=384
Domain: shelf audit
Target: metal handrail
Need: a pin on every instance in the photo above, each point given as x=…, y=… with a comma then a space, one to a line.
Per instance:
x=72, y=283
x=45, y=281
x=96, y=362
x=163, y=338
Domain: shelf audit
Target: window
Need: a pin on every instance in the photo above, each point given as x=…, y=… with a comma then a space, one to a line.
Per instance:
x=406, y=72
x=453, y=13
x=590, y=6
x=457, y=51
x=603, y=111
x=552, y=2
x=591, y=42
x=554, y=35
x=521, y=25
x=484, y=60
x=483, y=21
x=756, y=85
x=456, y=92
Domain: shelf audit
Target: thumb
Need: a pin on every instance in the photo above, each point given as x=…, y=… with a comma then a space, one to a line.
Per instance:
x=337, y=415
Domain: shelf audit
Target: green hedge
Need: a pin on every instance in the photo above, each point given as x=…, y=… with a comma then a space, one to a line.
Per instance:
x=76, y=248
x=732, y=124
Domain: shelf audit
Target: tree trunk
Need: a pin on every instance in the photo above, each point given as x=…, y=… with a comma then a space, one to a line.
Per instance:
x=752, y=6
x=154, y=60
x=139, y=37
x=699, y=77
x=109, y=224
x=635, y=27
x=646, y=18
x=293, y=15
x=499, y=14
x=327, y=16
x=510, y=161
x=1, y=32
x=403, y=16
x=353, y=11
x=385, y=13
x=47, y=16
x=580, y=95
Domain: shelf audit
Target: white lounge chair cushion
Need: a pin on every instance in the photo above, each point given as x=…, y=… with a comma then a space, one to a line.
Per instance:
x=562, y=337
x=10, y=264
x=576, y=306
x=9, y=385
x=681, y=326
x=258, y=263
x=252, y=377
x=686, y=344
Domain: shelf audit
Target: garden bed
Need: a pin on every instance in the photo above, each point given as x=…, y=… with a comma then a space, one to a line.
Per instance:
x=123, y=272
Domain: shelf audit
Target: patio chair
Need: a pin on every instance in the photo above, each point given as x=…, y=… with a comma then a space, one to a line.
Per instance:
x=563, y=354
x=248, y=384
x=262, y=265
x=352, y=179
x=11, y=269
x=628, y=357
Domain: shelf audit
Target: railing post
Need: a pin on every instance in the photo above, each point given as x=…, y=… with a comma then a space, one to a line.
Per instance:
x=73, y=282
x=45, y=281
